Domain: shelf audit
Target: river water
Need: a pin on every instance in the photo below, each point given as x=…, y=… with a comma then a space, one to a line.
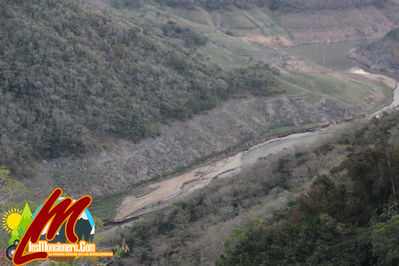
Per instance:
x=332, y=56
x=300, y=139
x=235, y=164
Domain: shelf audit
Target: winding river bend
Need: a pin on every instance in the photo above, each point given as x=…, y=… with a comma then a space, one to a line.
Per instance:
x=162, y=193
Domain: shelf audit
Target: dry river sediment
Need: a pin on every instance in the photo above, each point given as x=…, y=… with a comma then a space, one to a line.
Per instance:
x=163, y=192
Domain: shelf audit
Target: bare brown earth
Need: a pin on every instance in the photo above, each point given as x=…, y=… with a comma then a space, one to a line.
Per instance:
x=184, y=184
x=298, y=65
x=169, y=189
x=269, y=41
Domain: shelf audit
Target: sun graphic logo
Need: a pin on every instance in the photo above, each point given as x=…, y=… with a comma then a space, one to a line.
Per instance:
x=11, y=220
x=15, y=222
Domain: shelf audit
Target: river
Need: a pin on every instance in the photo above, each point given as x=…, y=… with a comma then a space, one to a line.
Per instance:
x=332, y=56
x=185, y=184
x=163, y=192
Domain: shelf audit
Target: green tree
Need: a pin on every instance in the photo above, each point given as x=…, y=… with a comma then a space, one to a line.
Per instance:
x=25, y=221
x=385, y=241
x=14, y=236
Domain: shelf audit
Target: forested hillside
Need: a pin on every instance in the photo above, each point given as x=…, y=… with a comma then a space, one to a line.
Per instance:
x=348, y=216
x=305, y=5
x=71, y=74
x=110, y=97
x=281, y=5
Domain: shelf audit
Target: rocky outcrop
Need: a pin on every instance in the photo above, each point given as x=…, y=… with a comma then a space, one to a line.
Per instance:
x=381, y=55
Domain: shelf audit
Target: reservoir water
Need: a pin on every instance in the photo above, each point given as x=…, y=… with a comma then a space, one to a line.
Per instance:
x=332, y=56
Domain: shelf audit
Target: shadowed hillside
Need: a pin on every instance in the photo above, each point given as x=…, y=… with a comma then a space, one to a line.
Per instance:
x=382, y=54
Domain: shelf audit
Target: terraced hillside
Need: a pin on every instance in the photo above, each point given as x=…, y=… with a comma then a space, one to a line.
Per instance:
x=284, y=22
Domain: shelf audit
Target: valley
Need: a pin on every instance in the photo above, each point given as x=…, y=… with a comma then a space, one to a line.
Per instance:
x=185, y=119
x=163, y=192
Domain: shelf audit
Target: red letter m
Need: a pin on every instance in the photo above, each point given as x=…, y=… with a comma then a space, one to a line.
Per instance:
x=55, y=216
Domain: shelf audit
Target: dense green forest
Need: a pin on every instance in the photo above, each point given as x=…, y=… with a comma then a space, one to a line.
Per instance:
x=349, y=216
x=70, y=75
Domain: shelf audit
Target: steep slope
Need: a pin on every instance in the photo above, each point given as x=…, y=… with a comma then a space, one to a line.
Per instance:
x=99, y=100
x=71, y=75
x=79, y=82
x=331, y=221
x=382, y=54
x=309, y=21
x=283, y=22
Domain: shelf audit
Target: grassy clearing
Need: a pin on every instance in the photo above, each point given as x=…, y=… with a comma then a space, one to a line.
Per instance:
x=145, y=193
x=105, y=207
x=388, y=93
x=291, y=88
x=286, y=129
x=348, y=91
x=223, y=57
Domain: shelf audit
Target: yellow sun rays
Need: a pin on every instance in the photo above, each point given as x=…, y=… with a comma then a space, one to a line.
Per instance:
x=11, y=220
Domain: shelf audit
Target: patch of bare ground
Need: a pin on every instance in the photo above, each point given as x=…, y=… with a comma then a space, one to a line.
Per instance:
x=299, y=65
x=169, y=189
x=270, y=41
x=184, y=184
